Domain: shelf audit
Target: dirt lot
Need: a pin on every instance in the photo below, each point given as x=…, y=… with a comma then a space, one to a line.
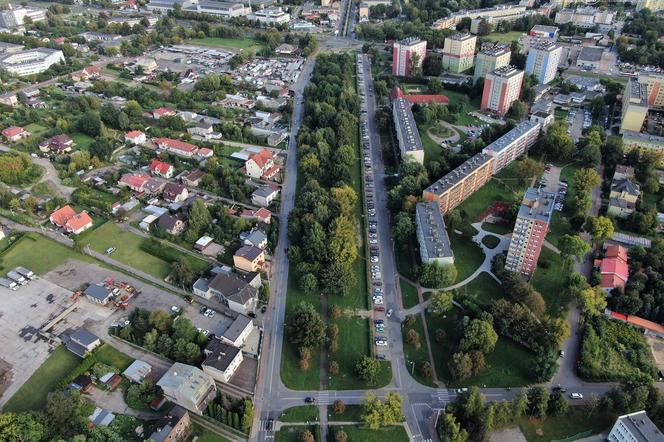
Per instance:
x=657, y=350
x=507, y=435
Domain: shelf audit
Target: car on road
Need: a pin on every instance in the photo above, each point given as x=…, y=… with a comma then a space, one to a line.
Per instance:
x=560, y=389
x=461, y=390
x=309, y=400
x=175, y=309
x=269, y=424
x=373, y=241
x=389, y=313
x=575, y=396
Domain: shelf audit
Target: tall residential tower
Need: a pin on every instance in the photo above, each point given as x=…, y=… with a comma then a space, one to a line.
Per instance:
x=408, y=54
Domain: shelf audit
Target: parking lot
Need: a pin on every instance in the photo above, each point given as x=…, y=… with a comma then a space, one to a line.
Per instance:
x=23, y=312
x=550, y=182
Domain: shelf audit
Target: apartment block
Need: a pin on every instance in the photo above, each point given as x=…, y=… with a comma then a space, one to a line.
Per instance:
x=491, y=57
x=431, y=234
x=543, y=59
x=410, y=143
x=495, y=14
x=188, y=387
x=408, y=54
x=501, y=88
x=15, y=17
x=635, y=427
x=530, y=229
x=513, y=144
x=584, y=17
x=634, y=106
x=459, y=52
x=452, y=189
x=654, y=84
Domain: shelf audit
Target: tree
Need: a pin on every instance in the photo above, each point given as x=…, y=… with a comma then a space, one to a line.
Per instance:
x=590, y=153
x=334, y=367
x=591, y=301
x=517, y=111
x=435, y=275
x=556, y=143
x=340, y=436
x=309, y=283
x=461, y=366
x=307, y=436
x=479, y=335
x=600, y=228
x=572, y=247
x=449, y=430
x=305, y=327
x=182, y=273
x=558, y=405
x=441, y=302
x=90, y=124
x=161, y=320
x=199, y=217
x=527, y=168
x=20, y=427
x=538, y=401
x=338, y=407
x=402, y=228
x=247, y=415
x=585, y=180
x=426, y=370
x=413, y=338
x=415, y=65
x=545, y=365
x=367, y=368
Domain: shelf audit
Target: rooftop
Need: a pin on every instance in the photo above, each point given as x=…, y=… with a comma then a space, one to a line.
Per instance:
x=537, y=205
x=219, y=354
x=461, y=36
x=458, y=174
x=506, y=71
x=511, y=136
x=548, y=46
x=495, y=49
x=641, y=427
x=591, y=53
x=434, y=235
x=237, y=327
x=410, y=41
x=405, y=125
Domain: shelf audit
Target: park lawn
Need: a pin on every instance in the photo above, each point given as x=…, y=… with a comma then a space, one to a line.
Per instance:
x=550, y=283
x=483, y=289
x=507, y=366
x=38, y=253
x=352, y=413
x=491, y=241
x=291, y=433
x=409, y=296
x=432, y=150
x=558, y=227
x=416, y=356
x=109, y=355
x=560, y=114
x=442, y=131
x=404, y=254
x=393, y=433
x=291, y=374
x=36, y=129
x=203, y=435
x=494, y=190
x=562, y=427
x=504, y=37
x=303, y=413
x=32, y=394
x=82, y=141
x=232, y=43
x=468, y=256
x=500, y=229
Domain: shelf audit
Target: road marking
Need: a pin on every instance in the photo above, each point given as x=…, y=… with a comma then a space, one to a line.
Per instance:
x=442, y=395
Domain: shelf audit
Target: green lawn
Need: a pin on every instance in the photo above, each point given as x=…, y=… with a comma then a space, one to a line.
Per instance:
x=32, y=394
x=408, y=294
x=303, y=413
x=115, y=358
x=36, y=129
x=416, y=356
x=432, y=150
x=403, y=255
x=558, y=227
x=561, y=427
x=352, y=413
x=550, y=283
x=483, y=289
x=204, y=435
x=442, y=131
x=504, y=37
x=233, y=43
x=491, y=241
x=468, y=256
x=129, y=251
x=464, y=118
x=82, y=141
x=500, y=229
x=292, y=433
x=38, y=253
x=507, y=366
x=396, y=433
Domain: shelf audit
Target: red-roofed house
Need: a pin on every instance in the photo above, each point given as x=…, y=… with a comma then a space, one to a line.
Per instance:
x=163, y=112
x=86, y=74
x=650, y=326
x=204, y=152
x=419, y=99
x=59, y=144
x=176, y=146
x=262, y=215
x=614, y=268
x=135, y=181
x=15, y=133
x=161, y=169
x=130, y=4
x=135, y=137
x=261, y=165
x=68, y=219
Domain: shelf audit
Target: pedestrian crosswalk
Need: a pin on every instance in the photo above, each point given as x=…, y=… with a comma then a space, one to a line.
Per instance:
x=266, y=425
x=441, y=395
x=323, y=398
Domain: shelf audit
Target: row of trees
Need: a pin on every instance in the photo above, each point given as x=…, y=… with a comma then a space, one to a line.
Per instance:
x=236, y=413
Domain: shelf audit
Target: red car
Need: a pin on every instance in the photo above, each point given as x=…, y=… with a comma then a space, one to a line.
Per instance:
x=380, y=309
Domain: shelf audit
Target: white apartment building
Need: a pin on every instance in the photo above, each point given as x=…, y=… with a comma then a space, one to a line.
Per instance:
x=513, y=144
x=31, y=61
x=542, y=62
x=584, y=17
x=501, y=88
x=223, y=9
x=15, y=17
x=635, y=427
x=270, y=16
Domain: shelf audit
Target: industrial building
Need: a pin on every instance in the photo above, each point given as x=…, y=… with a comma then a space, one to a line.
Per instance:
x=31, y=61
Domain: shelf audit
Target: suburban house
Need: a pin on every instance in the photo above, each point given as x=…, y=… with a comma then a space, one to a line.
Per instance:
x=623, y=197
x=175, y=193
x=101, y=418
x=193, y=178
x=176, y=147
x=87, y=73
x=173, y=224
x=263, y=215
x=175, y=427
x=81, y=342
x=135, y=137
x=204, y=153
x=15, y=133
x=82, y=383
x=221, y=360
x=188, y=387
x=58, y=144
x=161, y=169
x=154, y=186
x=238, y=331
x=249, y=259
x=613, y=268
x=230, y=290
x=204, y=130
x=261, y=166
x=135, y=181
x=99, y=294
x=256, y=238
x=163, y=112
x=137, y=371
x=264, y=195
x=67, y=218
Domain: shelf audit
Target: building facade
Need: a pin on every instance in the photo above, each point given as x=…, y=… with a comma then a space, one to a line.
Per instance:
x=491, y=57
x=542, y=62
x=15, y=17
x=634, y=106
x=530, y=229
x=410, y=143
x=407, y=55
x=31, y=61
x=188, y=387
x=513, y=144
x=459, y=52
x=431, y=235
x=635, y=427
x=501, y=88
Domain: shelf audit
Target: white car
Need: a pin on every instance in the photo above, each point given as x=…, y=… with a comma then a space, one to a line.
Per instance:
x=110, y=250
x=175, y=309
x=576, y=396
x=381, y=342
x=378, y=301
x=374, y=259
